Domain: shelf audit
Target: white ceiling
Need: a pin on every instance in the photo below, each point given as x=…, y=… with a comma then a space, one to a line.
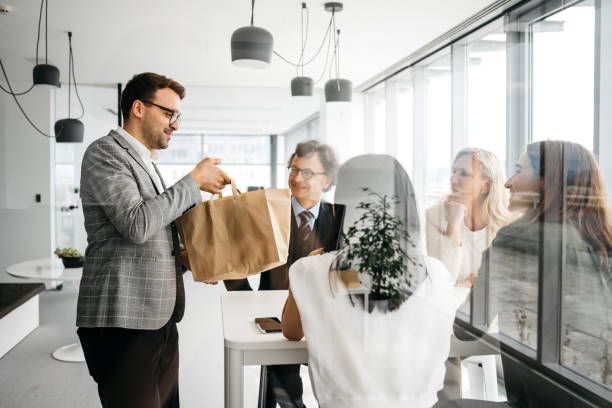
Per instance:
x=189, y=40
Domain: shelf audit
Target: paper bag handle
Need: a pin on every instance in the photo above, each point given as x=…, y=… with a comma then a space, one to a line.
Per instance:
x=235, y=191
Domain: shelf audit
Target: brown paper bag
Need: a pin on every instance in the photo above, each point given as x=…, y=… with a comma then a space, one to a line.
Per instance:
x=237, y=236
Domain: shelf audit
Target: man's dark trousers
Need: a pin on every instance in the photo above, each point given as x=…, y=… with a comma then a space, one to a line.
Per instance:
x=133, y=368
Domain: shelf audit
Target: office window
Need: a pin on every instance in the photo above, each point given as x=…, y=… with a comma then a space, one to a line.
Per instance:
x=246, y=159
x=376, y=119
x=563, y=50
x=401, y=89
x=438, y=125
x=486, y=94
x=564, y=54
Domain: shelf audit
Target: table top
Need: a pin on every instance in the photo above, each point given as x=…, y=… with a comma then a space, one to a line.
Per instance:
x=239, y=310
x=45, y=269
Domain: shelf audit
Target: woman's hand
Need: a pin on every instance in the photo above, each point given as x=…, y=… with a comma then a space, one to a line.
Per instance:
x=455, y=213
x=317, y=251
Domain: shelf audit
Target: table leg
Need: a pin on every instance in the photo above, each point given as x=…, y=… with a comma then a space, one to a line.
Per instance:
x=234, y=378
x=71, y=353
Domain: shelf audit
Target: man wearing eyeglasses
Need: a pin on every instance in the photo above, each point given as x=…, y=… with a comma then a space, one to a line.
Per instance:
x=131, y=294
x=312, y=170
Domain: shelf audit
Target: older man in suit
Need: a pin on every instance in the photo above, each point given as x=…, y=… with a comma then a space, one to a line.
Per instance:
x=314, y=224
x=131, y=294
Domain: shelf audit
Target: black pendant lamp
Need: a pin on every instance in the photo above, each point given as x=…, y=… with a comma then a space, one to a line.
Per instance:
x=302, y=85
x=337, y=89
x=252, y=46
x=45, y=74
x=70, y=130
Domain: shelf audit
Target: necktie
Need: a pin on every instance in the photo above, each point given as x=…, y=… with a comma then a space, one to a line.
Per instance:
x=304, y=229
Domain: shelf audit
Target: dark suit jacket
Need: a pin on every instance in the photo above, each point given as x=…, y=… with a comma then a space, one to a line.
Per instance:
x=325, y=234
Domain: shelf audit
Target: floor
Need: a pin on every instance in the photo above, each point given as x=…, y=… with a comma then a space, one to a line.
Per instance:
x=31, y=378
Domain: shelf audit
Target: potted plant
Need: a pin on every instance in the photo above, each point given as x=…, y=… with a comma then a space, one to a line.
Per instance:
x=71, y=258
x=374, y=244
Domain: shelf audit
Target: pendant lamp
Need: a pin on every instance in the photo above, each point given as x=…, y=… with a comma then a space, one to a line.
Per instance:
x=45, y=74
x=302, y=85
x=337, y=89
x=252, y=46
x=70, y=130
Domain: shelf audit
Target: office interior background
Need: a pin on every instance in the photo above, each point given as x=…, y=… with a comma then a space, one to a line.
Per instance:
x=429, y=79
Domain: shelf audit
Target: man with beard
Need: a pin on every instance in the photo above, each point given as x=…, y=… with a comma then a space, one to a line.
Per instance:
x=131, y=294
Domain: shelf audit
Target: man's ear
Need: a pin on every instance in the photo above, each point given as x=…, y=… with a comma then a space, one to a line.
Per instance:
x=327, y=184
x=137, y=109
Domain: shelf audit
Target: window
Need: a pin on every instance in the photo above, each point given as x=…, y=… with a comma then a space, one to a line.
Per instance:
x=486, y=94
x=246, y=159
x=563, y=49
x=376, y=114
x=438, y=128
x=400, y=94
x=541, y=72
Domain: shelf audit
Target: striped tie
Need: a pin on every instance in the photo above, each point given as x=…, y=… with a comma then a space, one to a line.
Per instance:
x=304, y=229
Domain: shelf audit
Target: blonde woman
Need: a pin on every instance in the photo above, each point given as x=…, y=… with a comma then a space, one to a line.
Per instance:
x=462, y=226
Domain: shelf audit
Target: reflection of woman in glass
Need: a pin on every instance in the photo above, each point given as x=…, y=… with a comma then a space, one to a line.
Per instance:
x=360, y=359
x=566, y=226
x=462, y=226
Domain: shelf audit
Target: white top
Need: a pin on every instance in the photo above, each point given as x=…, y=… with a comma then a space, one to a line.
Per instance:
x=359, y=359
x=147, y=156
x=461, y=260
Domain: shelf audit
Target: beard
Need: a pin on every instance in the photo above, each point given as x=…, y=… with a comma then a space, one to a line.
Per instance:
x=154, y=134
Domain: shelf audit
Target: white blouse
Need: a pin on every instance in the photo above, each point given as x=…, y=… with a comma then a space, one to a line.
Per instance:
x=359, y=359
x=461, y=260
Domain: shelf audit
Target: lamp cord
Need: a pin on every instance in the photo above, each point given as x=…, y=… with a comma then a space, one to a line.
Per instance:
x=71, y=70
x=19, y=105
x=313, y=57
x=42, y=3
x=252, y=10
x=46, y=31
x=326, y=58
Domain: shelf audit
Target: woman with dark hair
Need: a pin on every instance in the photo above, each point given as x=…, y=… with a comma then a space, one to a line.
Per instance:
x=566, y=229
x=361, y=359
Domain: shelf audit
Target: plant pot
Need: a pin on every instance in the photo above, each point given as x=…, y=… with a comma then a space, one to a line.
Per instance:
x=73, y=262
x=379, y=302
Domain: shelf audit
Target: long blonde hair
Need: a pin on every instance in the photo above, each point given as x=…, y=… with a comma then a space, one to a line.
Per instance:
x=495, y=206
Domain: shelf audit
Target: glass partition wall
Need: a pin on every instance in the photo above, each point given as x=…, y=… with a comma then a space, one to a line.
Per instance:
x=538, y=72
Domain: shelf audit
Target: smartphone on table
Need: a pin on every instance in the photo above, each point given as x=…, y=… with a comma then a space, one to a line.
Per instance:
x=268, y=324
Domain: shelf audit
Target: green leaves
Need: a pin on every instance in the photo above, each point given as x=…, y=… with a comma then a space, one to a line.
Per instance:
x=375, y=247
x=67, y=253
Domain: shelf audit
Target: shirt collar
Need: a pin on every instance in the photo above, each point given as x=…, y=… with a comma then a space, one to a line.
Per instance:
x=297, y=208
x=146, y=154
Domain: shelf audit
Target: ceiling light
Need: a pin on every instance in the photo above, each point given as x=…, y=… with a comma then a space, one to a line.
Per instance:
x=70, y=130
x=301, y=86
x=252, y=46
x=338, y=90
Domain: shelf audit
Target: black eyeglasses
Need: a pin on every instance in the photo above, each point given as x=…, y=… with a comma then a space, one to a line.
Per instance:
x=176, y=116
x=306, y=173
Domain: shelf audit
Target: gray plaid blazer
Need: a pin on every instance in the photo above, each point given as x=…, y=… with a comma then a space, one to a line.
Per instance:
x=131, y=277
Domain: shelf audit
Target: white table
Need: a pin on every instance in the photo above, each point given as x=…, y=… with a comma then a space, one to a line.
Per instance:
x=245, y=345
x=52, y=269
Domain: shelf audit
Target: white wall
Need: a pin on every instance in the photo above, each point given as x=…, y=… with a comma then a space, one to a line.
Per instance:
x=26, y=169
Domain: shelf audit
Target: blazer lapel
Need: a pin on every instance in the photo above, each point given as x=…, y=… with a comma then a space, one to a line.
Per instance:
x=127, y=146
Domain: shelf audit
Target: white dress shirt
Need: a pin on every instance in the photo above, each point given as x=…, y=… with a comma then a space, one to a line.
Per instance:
x=147, y=156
